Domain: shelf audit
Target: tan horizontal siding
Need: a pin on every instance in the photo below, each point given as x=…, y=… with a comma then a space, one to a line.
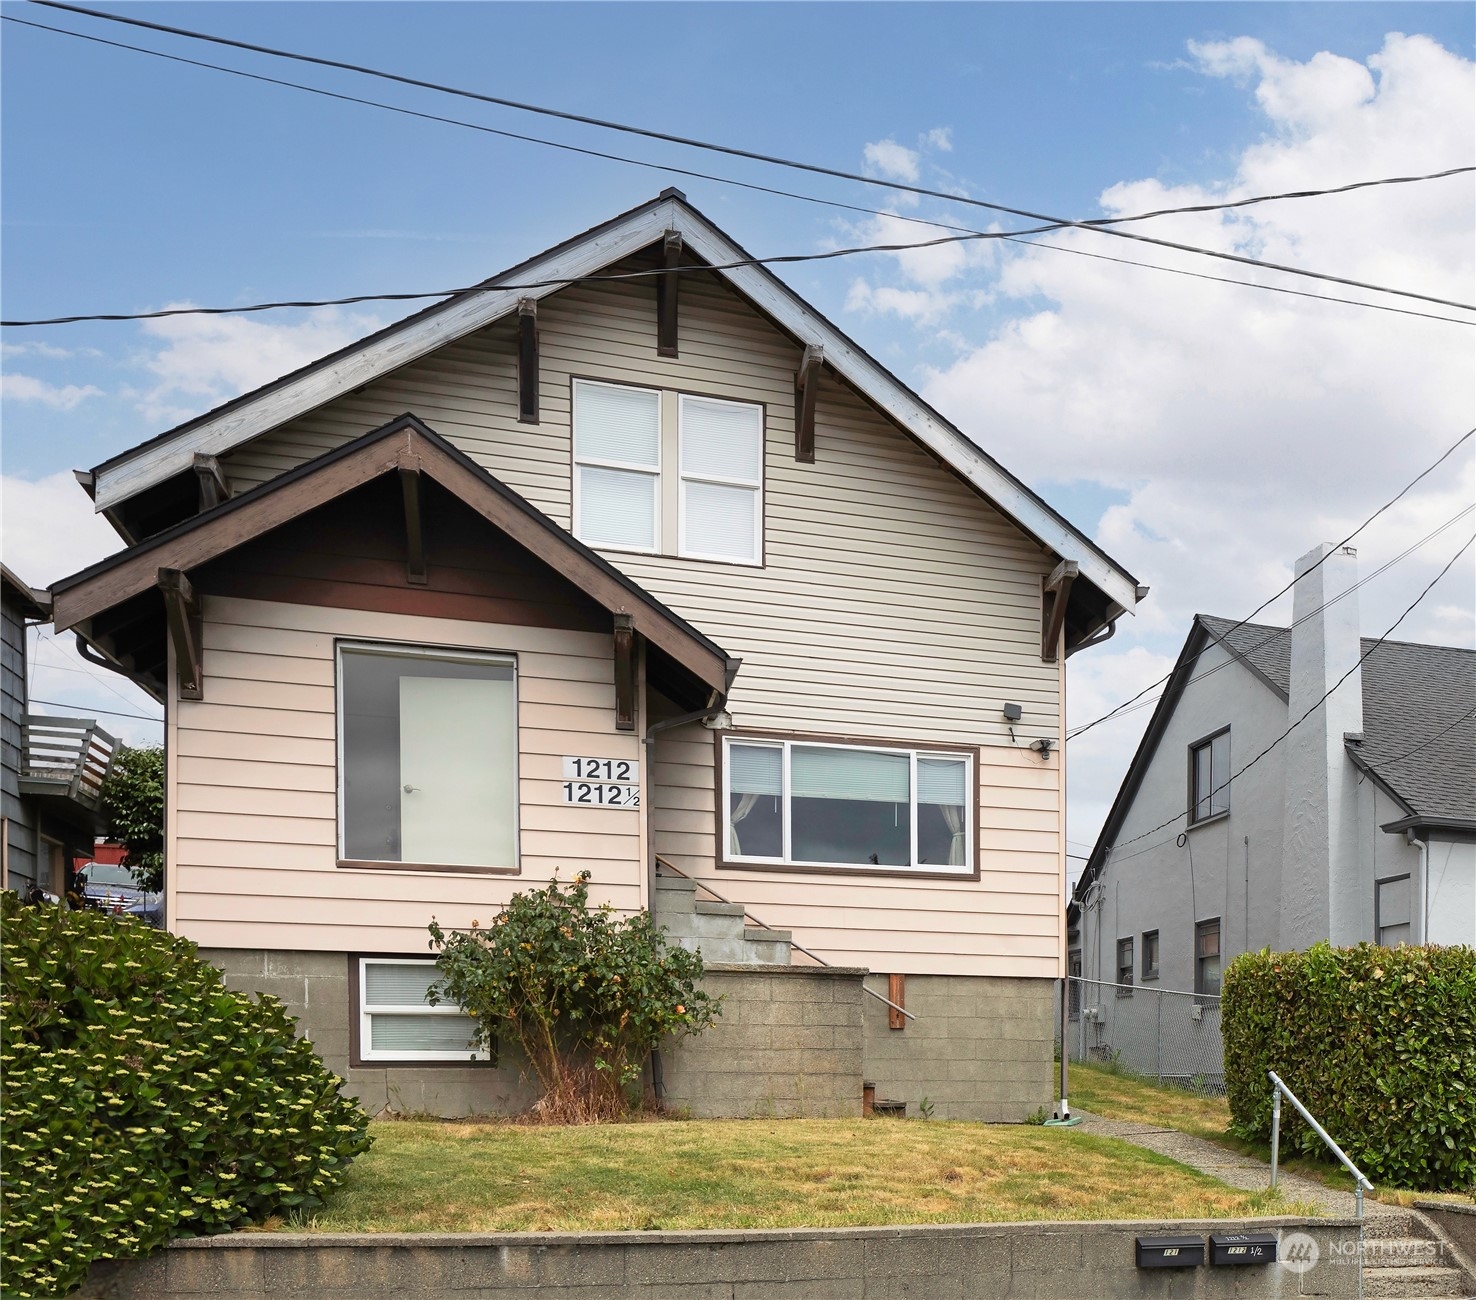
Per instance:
x=893, y=603
x=253, y=814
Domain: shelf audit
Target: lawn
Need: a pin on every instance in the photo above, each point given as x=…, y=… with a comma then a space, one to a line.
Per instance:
x=427, y=1176
x=1116, y=1094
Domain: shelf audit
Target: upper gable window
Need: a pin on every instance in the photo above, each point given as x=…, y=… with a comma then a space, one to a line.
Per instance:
x=1209, y=777
x=642, y=457
x=722, y=474
x=617, y=466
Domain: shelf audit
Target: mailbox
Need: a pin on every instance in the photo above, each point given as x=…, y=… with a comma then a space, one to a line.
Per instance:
x=1243, y=1248
x=1170, y=1252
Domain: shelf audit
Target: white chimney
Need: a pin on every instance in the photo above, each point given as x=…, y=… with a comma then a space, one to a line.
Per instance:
x=1320, y=893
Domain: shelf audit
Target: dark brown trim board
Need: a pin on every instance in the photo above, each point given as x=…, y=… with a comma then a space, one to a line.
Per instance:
x=722, y=862
x=356, y=1058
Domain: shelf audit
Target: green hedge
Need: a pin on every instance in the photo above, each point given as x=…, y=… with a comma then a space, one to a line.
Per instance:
x=1379, y=1044
x=144, y=1100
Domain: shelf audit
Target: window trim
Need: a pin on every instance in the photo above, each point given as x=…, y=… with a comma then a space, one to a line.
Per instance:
x=1378, y=921
x=969, y=753
x=1194, y=747
x=419, y=650
x=362, y=1056
x=1201, y=928
x=1125, y=986
x=756, y=486
x=1151, y=972
x=656, y=475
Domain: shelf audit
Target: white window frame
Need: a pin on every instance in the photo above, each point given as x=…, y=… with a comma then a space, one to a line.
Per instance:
x=756, y=486
x=965, y=869
x=414, y=651
x=597, y=462
x=366, y=1029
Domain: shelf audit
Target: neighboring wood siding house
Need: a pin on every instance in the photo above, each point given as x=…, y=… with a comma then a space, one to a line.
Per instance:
x=1359, y=826
x=649, y=577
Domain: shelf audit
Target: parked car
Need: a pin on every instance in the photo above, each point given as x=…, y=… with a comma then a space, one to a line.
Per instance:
x=109, y=887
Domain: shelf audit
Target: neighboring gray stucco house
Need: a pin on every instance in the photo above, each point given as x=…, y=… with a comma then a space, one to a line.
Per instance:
x=1359, y=826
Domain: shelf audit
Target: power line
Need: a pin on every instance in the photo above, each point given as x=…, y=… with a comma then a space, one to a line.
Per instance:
x=1321, y=700
x=1428, y=740
x=1279, y=633
x=1424, y=473
x=92, y=708
x=1011, y=236
x=1103, y=224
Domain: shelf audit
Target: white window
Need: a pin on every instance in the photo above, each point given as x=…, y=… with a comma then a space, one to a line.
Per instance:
x=617, y=466
x=397, y=1021
x=427, y=757
x=1391, y=911
x=722, y=474
x=801, y=803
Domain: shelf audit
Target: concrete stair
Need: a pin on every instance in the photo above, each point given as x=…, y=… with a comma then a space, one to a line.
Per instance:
x=1404, y=1260
x=717, y=930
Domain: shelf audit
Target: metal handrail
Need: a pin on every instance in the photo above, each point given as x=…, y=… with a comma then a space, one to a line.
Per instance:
x=1277, y=1088
x=813, y=956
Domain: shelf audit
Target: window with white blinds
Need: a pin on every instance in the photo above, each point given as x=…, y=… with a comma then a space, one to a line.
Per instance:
x=617, y=466
x=801, y=803
x=397, y=1021
x=722, y=474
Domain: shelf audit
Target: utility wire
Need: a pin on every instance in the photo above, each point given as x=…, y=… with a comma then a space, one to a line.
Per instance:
x=1103, y=224
x=1428, y=740
x=1424, y=473
x=92, y=708
x=1011, y=236
x=1281, y=632
x=1321, y=700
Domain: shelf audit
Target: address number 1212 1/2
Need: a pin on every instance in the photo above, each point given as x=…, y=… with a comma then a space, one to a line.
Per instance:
x=602, y=794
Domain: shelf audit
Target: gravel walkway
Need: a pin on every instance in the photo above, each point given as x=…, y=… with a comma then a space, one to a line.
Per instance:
x=1229, y=1167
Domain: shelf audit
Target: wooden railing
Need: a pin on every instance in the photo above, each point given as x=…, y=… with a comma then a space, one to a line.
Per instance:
x=65, y=758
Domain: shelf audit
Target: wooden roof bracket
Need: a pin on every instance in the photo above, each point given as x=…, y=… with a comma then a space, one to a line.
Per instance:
x=625, y=673
x=668, y=285
x=806, y=390
x=527, y=361
x=213, y=486
x=416, y=571
x=183, y=613
x=1053, y=617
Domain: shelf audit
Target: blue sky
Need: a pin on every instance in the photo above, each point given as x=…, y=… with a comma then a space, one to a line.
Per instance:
x=130, y=183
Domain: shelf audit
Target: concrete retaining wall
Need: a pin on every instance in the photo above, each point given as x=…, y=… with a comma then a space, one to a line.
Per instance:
x=789, y=1043
x=981, y=1047
x=1044, y=1261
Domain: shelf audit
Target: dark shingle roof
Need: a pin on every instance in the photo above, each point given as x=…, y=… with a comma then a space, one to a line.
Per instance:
x=1419, y=712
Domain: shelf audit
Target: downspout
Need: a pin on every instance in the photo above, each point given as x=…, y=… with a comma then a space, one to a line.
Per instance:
x=1423, y=847
x=648, y=742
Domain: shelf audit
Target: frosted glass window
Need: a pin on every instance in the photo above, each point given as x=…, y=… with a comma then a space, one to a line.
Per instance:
x=793, y=803
x=617, y=508
x=617, y=454
x=722, y=470
x=398, y=1022
x=427, y=757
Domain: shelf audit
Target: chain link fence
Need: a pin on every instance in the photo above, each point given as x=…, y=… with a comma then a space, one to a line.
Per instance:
x=1159, y=1034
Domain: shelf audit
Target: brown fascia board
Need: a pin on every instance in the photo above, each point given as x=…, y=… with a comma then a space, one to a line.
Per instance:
x=35, y=605
x=403, y=443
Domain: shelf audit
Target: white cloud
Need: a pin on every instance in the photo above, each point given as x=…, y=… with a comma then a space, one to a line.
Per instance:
x=62, y=397
x=1243, y=426
x=50, y=529
x=206, y=360
x=939, y=138
x=47, y=350
x=894, y=161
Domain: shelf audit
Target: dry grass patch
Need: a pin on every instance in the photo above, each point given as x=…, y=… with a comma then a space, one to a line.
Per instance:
x=424, y=1176
x=1116, y=1095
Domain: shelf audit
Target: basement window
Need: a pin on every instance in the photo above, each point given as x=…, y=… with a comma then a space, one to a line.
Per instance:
x=397, y=1021
x=1391, y=911
x=1150, y=955
x=1207, y=958
x=1124, y=968
x=847, y=807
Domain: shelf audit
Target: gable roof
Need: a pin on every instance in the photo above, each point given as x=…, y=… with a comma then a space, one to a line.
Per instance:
x=228, y=426
x=1419, y=727
x=405, y=443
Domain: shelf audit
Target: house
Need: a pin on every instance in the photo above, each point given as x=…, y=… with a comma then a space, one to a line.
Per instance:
x=53, y=767
x=623, y=565
x=1359, y=827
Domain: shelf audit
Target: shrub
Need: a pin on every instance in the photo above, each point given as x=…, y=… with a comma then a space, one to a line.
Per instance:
x=1378, y=1043
x=133, y=801
x=144, y=1100
x=584, y=994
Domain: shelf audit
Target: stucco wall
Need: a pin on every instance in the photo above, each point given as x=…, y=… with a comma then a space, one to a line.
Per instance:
x=1452, y=891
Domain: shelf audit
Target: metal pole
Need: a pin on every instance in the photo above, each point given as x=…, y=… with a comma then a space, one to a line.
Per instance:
x=1065, y=1112
x=1275, y=1130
